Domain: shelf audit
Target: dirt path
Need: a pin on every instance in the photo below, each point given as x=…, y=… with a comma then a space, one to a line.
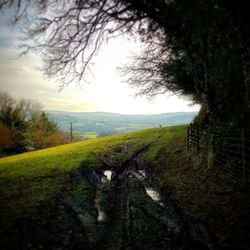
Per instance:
x=128, y=212
x=136, y=213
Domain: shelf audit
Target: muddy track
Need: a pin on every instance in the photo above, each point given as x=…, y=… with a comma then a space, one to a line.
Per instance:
x=128, y=212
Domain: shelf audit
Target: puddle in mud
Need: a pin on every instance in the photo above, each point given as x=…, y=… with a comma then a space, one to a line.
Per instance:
x=154, y=195
x=108, y=174
x=140, y=174
x=101, y=215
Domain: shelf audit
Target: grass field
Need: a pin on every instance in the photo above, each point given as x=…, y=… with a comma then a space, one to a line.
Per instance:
x=90, y=135
x=34, y=185
x=33, y=180
x=68, y=157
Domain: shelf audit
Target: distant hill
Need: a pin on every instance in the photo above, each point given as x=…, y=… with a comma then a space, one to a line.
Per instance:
x=103, y=123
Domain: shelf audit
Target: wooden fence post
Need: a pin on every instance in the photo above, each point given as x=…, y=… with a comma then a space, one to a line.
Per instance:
x=243, y=160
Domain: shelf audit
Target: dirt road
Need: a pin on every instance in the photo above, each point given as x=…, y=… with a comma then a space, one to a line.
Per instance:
x=129, y=212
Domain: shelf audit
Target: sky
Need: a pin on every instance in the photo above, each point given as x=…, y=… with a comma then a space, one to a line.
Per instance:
x=106, y=91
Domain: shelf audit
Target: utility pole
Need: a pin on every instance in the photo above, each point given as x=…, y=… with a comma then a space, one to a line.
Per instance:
x=71, y=131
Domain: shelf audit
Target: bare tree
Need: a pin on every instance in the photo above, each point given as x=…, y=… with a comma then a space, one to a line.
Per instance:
x=145, y=73
x=158, y=71
x=31, y=110
x=6, y=101
x=68, y=33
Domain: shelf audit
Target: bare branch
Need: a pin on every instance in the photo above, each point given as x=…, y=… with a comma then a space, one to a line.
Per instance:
x=68, y=34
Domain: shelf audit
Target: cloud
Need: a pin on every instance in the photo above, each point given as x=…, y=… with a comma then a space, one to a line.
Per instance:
x=8, y=33
x=8, y=38
x=81, y=107
x=107, y=91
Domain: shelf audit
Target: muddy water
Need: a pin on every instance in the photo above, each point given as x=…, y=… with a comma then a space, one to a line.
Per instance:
x=154, y=195
x=100, y=214
x=108, y=174
x=128, y=212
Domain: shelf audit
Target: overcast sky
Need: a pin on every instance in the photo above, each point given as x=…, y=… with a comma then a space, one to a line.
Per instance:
x=106, y=91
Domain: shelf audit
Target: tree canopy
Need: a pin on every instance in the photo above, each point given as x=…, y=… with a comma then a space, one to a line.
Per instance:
x=24, y=126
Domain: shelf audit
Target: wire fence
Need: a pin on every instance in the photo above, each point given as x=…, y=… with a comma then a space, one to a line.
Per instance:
x=232, y=155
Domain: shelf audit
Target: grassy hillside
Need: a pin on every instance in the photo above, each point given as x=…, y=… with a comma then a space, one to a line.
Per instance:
x=32, y=182
x=67, y=157
x=49, y=197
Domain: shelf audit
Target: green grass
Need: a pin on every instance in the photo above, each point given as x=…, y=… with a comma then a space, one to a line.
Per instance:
x=89, y=135
x=34, y=179
x=64, y=158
